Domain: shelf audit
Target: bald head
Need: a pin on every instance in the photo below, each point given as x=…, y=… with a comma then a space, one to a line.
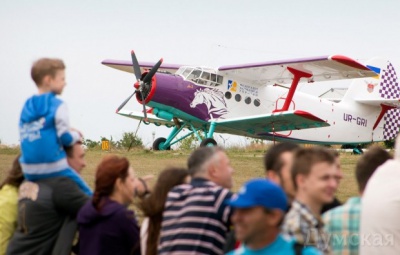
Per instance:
x=200, y=158
x=211, y=163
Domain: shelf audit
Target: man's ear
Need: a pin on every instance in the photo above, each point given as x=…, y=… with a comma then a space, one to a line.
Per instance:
x=275, y=217
x=300, y=180
x=212, y=170
x=273, y=176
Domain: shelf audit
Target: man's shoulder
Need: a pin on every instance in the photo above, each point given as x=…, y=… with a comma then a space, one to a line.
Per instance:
x=352, y=206
x=292, y=218
x=201, y=186
x=56, y=182
x=53, y=185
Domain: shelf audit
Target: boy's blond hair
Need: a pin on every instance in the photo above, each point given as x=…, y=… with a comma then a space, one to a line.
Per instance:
x=45, y=66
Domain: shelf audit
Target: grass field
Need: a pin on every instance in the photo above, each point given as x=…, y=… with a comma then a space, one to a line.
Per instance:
x=246, y=163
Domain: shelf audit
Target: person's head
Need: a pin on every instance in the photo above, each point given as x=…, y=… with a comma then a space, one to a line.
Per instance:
x=14, y=176
x=368, y=163
x=213, y=164
x=49, y=75
x=153, y=205
x=314, y=174
x=114, y=180
x=258, y=211
x=277, y=163
x=168, y=178
x=76, y=156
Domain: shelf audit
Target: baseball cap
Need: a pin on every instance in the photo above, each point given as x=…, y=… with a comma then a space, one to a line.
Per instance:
x=260, y=192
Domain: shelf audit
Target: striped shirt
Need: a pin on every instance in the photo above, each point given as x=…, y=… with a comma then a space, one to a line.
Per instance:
x=196, y=219
x=343, y=225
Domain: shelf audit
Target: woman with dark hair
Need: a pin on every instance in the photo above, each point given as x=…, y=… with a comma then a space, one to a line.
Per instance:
x=9, y=203
x=106, y=226
x=153, y=207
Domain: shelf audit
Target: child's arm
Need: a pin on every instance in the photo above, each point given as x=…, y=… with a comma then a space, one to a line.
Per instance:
x=67, y=136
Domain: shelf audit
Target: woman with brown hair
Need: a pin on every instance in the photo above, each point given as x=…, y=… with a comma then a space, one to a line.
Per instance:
x=153, y=207
x=9, y=203
x=106, y=225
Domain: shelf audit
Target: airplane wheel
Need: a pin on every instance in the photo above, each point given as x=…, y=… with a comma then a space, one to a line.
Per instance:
x=158, y=143
x=208, y=142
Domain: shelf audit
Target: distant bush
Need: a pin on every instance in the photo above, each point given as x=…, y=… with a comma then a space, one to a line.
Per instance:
x=389, y=144
x=129, y=140
x=90, y=144
x=9, y=150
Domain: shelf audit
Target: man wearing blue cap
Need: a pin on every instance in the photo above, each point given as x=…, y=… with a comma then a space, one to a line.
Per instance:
x=259, y=209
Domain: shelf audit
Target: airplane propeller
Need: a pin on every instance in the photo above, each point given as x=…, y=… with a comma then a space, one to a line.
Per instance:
x=126, y=101
x=141, y=84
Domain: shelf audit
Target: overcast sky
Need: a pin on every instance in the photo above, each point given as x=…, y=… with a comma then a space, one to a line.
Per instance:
x=206, y=32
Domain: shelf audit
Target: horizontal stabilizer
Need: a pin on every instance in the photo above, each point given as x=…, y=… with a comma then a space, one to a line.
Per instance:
x=274, y=122
x=151, y=118
x=379, y=102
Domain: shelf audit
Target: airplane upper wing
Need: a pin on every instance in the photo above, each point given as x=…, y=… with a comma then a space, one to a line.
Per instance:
x=258, y=125
x=324, y=68
x=151, y=118
x=127, y=66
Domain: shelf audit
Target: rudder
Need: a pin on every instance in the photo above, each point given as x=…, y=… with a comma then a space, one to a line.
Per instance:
x=384, y=89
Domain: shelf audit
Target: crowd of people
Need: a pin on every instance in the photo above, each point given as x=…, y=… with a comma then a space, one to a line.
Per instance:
x=47, y=208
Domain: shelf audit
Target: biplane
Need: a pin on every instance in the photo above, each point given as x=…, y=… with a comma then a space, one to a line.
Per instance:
x=260, y=100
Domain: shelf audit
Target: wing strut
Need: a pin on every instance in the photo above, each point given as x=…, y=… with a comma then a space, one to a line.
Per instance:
x=297, y=76
x=384, y=109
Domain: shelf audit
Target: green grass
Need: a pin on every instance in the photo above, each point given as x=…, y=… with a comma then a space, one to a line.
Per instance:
x=247, y=164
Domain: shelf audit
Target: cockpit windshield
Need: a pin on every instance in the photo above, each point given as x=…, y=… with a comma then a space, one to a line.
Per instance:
x=200, y=75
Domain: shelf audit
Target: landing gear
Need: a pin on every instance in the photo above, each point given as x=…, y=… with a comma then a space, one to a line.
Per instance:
x=208, y=142
x=159, y=144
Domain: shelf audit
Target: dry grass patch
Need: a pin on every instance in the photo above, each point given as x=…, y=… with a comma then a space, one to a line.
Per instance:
x=247, y=164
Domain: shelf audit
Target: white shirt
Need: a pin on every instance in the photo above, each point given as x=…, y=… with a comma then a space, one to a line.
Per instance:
x=143, y=235
x=380, y=213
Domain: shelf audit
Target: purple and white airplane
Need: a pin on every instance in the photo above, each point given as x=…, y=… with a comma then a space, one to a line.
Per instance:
x=260, y=100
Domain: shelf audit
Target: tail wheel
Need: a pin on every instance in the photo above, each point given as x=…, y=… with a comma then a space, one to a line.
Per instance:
x=208, y=142
x=159, y=144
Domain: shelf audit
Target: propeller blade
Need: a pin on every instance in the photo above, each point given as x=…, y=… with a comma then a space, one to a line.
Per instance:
x=153, y=70
x=126, y=101
x=136, y=67
x=144, y=106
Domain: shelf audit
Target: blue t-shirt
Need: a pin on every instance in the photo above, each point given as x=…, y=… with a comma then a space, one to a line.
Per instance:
x=282, y=246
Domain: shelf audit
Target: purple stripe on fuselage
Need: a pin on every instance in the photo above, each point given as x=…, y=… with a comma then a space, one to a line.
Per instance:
x=271, y=63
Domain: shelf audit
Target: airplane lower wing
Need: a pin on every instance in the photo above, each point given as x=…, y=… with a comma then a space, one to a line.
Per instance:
x=151, y=118
x=281, y=121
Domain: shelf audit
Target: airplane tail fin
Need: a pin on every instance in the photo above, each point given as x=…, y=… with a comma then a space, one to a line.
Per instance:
x=382, y=91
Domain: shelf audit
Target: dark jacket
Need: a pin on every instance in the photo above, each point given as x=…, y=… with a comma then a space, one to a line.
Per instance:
x=112, y=230
x=43, y=207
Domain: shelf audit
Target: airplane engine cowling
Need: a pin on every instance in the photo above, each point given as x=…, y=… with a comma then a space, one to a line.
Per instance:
x=148, y=89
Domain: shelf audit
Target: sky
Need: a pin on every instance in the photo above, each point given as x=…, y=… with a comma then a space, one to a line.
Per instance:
x=206, y=33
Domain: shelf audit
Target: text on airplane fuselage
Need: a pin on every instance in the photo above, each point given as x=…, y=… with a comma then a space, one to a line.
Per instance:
x=350, y=118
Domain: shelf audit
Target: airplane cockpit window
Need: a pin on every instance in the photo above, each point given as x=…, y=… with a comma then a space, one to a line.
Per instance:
x=194, y=74
x=201, y=76
x=219, y=79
